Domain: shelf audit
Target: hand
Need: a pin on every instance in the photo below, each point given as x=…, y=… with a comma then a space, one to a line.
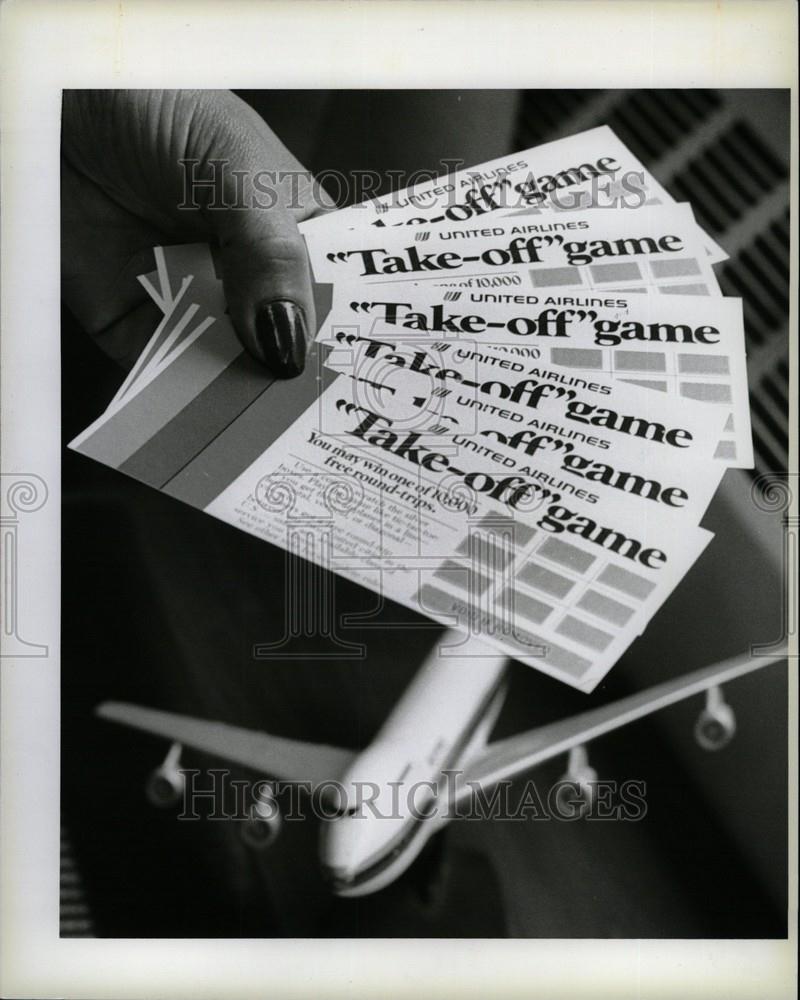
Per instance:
x=125, y=189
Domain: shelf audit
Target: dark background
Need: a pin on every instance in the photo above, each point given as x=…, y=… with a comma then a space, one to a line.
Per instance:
x=161, y=605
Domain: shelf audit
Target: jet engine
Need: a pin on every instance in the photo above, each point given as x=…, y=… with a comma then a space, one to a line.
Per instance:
x=164, y=786
x=716, y=724
x=263, y=825
x=579, y=776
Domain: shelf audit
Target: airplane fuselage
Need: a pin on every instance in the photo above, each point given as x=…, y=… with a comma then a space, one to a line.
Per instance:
x=388, y=792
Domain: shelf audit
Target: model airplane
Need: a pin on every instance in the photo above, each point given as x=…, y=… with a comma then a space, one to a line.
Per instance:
x=434, y=742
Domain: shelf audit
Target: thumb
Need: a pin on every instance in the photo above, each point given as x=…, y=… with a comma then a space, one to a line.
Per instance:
x=267, y=282
x=266, y=191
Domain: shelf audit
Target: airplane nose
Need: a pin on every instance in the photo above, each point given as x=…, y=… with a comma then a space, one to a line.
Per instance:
x=336, y=799
x=345, y=796
x=341, y=848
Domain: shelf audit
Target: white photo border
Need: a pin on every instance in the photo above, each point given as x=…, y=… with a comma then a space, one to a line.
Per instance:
x=48, y=46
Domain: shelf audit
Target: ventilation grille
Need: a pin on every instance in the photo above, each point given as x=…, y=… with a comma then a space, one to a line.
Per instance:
x=543, y=111
x=651, y=122
x=709, y=148
x=728, y=178
x=760, y=275
x=73, y=910
x=769, y=405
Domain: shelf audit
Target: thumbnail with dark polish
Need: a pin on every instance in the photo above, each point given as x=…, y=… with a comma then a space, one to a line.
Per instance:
x=281, y=336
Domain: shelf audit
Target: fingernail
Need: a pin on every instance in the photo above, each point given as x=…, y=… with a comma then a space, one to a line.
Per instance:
x=281, y=337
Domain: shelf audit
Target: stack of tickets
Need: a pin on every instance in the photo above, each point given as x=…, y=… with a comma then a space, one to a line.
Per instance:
x=519, y=405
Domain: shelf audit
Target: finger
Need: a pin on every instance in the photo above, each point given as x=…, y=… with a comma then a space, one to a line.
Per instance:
x=98, y=283
x=267, y=283
x=265, y=267
x=126, y=338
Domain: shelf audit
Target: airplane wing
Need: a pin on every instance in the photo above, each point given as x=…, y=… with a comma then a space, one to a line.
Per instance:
x=509, y=757
x=274, y=756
